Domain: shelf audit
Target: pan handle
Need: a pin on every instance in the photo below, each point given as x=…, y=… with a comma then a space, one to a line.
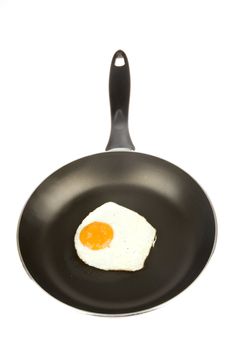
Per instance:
x=119, y=93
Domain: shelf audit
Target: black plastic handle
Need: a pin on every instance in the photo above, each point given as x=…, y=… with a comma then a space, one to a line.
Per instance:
x=119, y=93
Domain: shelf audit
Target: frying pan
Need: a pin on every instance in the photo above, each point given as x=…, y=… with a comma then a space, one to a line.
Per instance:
x=165, y=195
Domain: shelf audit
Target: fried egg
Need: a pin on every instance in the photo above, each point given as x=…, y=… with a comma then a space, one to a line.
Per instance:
x=113, y=237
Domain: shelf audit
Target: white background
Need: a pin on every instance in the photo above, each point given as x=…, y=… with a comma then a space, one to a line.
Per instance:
x=54, y=65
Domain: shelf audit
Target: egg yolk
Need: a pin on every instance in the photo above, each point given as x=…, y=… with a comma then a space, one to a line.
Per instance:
x=96, y=235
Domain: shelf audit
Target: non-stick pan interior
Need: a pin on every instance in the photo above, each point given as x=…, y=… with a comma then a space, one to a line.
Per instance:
x=165, y=195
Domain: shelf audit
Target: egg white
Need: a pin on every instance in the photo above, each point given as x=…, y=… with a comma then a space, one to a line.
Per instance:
x=132, y=240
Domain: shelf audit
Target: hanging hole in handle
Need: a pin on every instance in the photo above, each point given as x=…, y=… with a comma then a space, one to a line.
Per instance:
x=119, y=60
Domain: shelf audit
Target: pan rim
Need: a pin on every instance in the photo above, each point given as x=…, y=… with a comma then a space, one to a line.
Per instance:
x=139, y=312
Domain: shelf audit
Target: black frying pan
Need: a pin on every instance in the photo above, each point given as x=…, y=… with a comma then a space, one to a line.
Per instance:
x=164, y=194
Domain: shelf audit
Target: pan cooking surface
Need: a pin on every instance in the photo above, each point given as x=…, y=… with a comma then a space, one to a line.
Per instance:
x=165, y=195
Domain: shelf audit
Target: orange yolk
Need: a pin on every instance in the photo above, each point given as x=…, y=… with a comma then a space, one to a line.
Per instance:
x=96, y=235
